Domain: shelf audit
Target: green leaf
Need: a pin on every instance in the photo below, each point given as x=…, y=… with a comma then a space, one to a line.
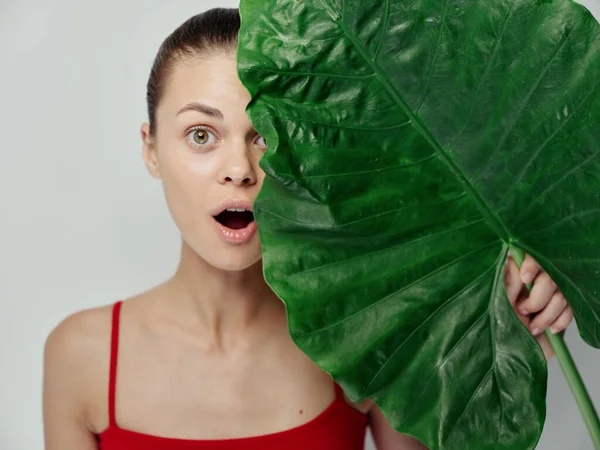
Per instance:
x=410, y=142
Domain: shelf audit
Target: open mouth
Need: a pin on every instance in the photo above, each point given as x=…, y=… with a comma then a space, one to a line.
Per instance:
x=235, y=218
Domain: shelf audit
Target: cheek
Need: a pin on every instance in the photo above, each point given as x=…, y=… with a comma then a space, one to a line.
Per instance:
x=260, y=174
x=186, y=182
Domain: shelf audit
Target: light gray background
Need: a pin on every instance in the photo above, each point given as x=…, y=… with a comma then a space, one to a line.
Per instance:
x=81, y=223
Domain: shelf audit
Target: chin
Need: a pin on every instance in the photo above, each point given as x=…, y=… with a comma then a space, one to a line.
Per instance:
x=235, y=264
x=235, y=259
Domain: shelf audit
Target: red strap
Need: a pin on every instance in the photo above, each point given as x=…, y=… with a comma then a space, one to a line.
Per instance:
x=114, y=351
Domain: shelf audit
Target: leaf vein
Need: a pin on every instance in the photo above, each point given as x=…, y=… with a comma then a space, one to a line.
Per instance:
x=309, y=74
x=497, y=280
x=362, y=172
x=554, y=185
x=393, y=294
x=443, y=362
x=374, y=216
x=431, y=316
x=435, y=57
x=479, y=387
x=565, y=220
x=394, y=247
x=521, y=107
x=491, y=215
x=346, y=127
x=385, y=28
x=546, y=142
x=488, y=66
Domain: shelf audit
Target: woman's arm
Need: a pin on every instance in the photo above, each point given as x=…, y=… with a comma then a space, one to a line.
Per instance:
x=65, y=419
x=386, y=438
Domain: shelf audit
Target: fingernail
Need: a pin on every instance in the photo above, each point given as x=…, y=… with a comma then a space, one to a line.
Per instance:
x=523, y=311
x=554, y=330
x=536, y=331
x=527, y=277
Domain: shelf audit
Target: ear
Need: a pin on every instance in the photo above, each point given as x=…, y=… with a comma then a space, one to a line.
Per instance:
x=149, y=151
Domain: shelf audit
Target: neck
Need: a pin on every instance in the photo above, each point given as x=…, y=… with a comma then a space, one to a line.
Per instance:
x=227, y=305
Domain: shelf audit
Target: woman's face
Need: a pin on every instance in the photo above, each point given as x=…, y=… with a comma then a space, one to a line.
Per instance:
x=206, y=153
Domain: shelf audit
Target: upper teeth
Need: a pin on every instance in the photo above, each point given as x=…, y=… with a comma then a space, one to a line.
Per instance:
x=236, y=209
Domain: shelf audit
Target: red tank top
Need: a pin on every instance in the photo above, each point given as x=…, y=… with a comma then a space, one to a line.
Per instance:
x=339, y=427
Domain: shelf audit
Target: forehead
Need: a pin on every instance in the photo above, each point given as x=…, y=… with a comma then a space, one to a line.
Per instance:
x=208, y=79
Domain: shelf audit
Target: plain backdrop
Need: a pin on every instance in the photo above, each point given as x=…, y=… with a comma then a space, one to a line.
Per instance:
x=81, y=223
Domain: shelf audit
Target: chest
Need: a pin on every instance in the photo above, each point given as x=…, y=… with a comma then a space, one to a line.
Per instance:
x=178, y=391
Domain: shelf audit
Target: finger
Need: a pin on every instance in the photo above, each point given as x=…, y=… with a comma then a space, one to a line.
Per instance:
x=543, y=290
x=525, y=319
x=529, y=269
x=549, y=314
x=563, y=321
x=512, y=281
x=546, y=346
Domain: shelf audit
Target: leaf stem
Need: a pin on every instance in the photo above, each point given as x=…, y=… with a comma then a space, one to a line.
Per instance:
x=568, y=367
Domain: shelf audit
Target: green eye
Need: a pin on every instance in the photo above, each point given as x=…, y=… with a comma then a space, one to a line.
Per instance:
x=201, y=137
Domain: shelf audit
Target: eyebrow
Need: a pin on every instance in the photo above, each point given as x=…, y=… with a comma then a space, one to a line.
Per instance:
x=203, y=109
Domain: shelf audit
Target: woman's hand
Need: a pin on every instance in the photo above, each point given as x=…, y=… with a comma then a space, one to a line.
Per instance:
x=545, y=307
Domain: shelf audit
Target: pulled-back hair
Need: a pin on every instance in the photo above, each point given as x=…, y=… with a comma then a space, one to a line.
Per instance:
x=213, y=31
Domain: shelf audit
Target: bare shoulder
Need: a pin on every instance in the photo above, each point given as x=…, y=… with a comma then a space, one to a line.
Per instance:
x=76, y=364
x=79, y=337
x=80, y=344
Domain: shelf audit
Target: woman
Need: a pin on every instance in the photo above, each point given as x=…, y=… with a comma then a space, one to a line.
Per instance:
x=204, y=360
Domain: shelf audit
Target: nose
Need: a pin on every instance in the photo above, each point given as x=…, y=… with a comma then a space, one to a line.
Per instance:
x=237, y=168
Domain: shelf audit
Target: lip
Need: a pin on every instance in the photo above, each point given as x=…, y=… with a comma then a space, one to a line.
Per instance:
x=231, y=203
x=241, y=236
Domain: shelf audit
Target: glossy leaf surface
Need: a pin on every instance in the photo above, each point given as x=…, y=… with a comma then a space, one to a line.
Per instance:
x=409, y=143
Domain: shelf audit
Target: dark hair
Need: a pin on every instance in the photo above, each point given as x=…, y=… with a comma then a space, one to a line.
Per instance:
x=215, y=30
